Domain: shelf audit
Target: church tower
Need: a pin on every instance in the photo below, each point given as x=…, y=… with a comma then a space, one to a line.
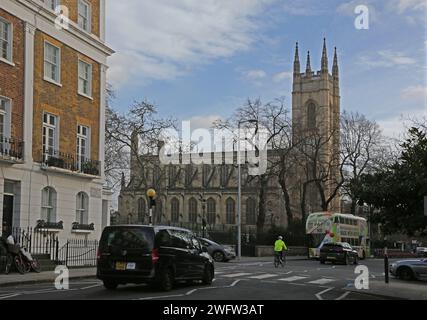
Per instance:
x=316, y=108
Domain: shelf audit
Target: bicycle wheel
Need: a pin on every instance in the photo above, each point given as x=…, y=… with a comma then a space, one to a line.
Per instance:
x=276, y=262
x=35, y=265
x=19, y=264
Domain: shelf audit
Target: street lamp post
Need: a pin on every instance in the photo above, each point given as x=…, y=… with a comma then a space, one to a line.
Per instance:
x=151, y=194
x=239, y=196
x=204, y=224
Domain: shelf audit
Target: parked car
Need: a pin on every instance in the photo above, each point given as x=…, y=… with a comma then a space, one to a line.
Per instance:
x=217, y=251
x=338, y=252
x=421, y=252
x=410, y=269
x=155, y=255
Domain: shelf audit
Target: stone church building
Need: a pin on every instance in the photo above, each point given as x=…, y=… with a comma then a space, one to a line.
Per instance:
x=191, y=194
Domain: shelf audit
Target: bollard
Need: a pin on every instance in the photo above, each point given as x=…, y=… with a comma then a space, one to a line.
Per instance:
x=386, y=266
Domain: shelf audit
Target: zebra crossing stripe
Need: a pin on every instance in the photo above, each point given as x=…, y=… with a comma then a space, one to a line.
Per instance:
x=291, y=279
x=263, y=276
x=321, y=281
x=234, y=275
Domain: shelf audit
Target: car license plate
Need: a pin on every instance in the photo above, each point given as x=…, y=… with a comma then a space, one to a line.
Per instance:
x=131, y=266
x=120, y=266
x=331, y=258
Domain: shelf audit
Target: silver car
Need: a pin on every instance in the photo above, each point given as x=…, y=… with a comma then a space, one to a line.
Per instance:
x=422, y=252
x=217, y=251
x=410, y=269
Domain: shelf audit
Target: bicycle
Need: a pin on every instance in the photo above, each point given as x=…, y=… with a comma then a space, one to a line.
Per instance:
x=279, y=260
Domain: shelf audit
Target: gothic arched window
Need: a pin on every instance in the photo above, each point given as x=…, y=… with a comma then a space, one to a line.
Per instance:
x=311, y=116
x=211, y=204
x=230, y=211
x=192, y=210
x=250, y=211
x=175, y=210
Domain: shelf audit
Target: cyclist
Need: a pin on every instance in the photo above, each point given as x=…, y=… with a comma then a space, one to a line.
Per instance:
x=280, y=248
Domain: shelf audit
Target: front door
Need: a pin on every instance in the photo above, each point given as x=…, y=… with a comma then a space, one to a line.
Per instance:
x=8, y=212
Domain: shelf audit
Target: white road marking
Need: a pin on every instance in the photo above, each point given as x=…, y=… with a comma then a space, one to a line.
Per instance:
x=322, y=281
x=291, y=279
x=190, y=292
x=162, y=297
x=234, y=275
x=263, y=276
x=319, y=295
x=92, y=286
x=9, y=296
x=342, y=297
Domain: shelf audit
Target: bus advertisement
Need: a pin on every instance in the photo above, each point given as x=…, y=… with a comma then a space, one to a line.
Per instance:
x=327, y=227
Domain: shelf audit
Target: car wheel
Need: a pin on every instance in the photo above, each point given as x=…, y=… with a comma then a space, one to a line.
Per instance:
x=405, y=273
x=322, y=261
x=356, y=259
x=109, y=285
x=166, y=280
x=219, y=256
x=207, y=276
x=346, y=260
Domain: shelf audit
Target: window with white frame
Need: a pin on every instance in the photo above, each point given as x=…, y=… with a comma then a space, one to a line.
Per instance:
x=48, y=213
x=52, y=4
x=52, y=62
x=84, y=19
x=82, y=208
x=85, y=78
x=6, y=40
x=5, y=124
x=83, y=151
x=50, y=135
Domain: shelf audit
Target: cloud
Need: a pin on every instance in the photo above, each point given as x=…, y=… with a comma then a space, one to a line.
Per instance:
x=304, y=8
x=386, y=59
x=403, y=6
x=255, y=74
x=279, y=77
x=158, y=40
x=418, y=93
x=203, y=122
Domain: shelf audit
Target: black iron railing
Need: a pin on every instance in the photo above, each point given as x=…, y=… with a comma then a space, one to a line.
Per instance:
x=83, y=227
x=57, y=159
x=78, y=253
x=37, y=241
x=41, y=224
x=70, y=252
x=11, y=148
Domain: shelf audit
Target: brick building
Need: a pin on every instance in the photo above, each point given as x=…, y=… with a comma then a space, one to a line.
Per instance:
x=52, y=117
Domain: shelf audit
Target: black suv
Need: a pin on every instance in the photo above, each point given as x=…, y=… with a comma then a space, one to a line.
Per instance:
x=155, y=255
x=338, y=252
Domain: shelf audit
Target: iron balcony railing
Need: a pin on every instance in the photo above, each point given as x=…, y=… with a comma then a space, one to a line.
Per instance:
x=11, y=149
x=56, y=159
x=83, y=227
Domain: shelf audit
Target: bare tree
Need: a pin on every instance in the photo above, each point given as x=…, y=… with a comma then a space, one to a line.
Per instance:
x=363, y=148
x=272, y=117
x=131, y=134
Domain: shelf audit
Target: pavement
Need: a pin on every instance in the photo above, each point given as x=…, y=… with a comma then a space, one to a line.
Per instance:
x=246, y=279
x=14, y=279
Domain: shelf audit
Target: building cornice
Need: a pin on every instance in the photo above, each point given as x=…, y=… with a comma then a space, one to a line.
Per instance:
x=34, y=13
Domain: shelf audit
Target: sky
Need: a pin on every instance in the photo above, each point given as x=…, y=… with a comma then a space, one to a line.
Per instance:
x=199, y=60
